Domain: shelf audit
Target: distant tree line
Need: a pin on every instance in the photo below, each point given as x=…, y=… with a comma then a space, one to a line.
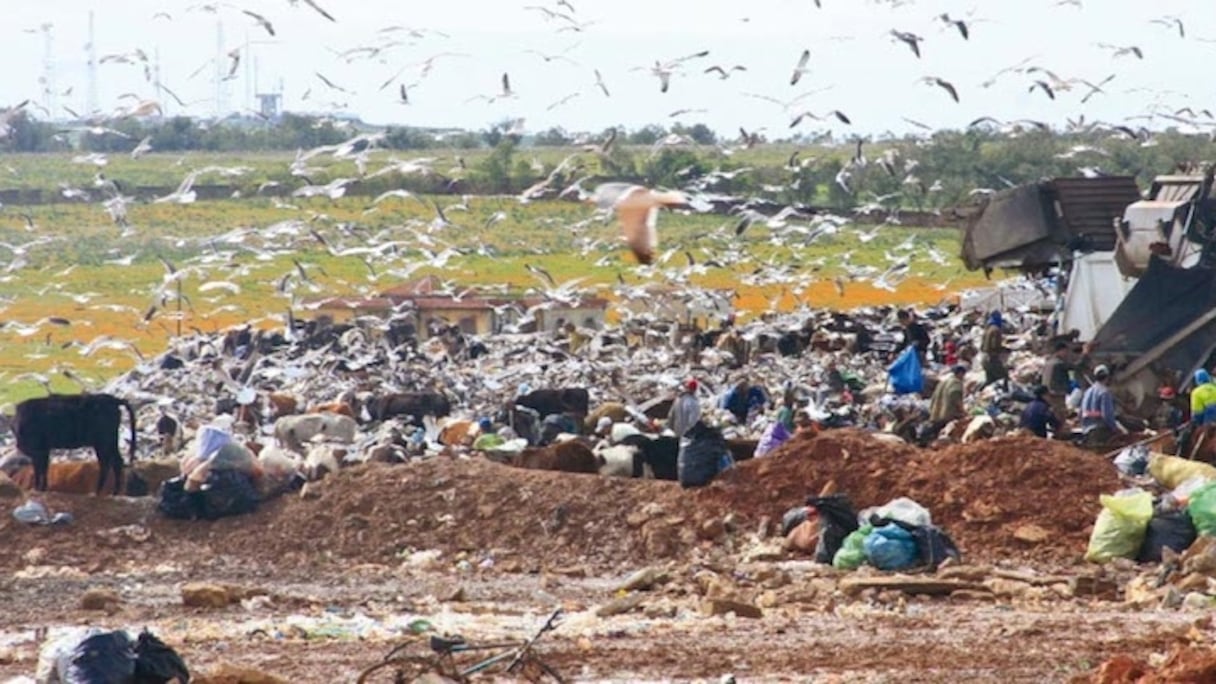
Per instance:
x=912, y=172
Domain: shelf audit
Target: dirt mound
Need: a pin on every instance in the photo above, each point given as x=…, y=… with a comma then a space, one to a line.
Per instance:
x=1185, y=665
x=539, y=518
x=982, y=494
x=525, y=519
x=993, y=498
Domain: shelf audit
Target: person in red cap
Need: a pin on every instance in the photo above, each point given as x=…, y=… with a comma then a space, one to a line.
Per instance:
x=1171, y=413
x=685, y=410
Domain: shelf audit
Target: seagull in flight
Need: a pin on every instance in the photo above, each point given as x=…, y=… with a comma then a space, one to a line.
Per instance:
x=1118, y=51
x=943, y=84
x=637, y=210
x=1170, y=21
x=910, y=39
x=800, y=68
x=664, y=70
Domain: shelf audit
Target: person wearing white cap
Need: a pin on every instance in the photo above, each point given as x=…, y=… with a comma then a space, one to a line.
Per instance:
x=603, y=426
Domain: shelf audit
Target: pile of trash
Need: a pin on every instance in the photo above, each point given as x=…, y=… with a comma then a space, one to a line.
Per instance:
x=896, y=536
x=89, y=654
x=1168, y=518
x=1011, y=497
x=1174, y=503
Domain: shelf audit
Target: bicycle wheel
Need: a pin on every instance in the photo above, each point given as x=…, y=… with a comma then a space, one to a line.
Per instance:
x=402, y=669
x=535, y=670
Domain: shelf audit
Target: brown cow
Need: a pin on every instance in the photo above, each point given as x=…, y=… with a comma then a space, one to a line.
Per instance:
x=337, y=407
x=282, y=404
x=459, y=433
x=81, y=477
x=567, y=457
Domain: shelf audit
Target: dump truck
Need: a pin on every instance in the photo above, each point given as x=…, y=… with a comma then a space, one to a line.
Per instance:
x=1141, y=289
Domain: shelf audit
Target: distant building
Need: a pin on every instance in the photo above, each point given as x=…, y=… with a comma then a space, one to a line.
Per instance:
x=421, y=304
x=667, y=303
x=270, y=105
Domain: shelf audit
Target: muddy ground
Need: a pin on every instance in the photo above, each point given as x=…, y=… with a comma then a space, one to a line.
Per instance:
x=317, y=587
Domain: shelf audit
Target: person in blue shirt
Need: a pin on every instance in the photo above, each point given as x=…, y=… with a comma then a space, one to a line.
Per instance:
x=743, y=399
x=1037, y=417
x=1098, y=410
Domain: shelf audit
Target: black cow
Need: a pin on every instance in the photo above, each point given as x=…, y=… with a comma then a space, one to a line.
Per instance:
x=412, y=404
x=660, y=453
x=72, y=421
x=548, y=402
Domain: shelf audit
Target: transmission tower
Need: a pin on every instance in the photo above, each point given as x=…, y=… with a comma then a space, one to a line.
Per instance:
x=48, y=70
x=221, y=86
x=91, y=106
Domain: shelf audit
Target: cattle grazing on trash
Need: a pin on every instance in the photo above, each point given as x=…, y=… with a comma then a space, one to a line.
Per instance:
x=547, y=402
x=82, y=477
x=660, y=454
x=416, y=405
x=73, y=421
x=567, y=457
x=293, y=431
x=622, y=461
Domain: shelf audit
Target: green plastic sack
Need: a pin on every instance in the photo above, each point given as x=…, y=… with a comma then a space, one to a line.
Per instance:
x=1202, y=508
x=1120, y=527
x=488, y=442
x=852, y=553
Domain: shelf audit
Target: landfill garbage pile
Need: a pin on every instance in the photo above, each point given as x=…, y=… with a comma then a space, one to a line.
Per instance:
x=1015, y=497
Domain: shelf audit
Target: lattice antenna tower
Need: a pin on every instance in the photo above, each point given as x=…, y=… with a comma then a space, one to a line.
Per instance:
x=221, y=86
x=48, y=69
x=91, y=105
x=160, y=90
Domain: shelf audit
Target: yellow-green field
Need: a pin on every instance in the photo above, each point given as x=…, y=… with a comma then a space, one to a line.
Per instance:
x=80, y=271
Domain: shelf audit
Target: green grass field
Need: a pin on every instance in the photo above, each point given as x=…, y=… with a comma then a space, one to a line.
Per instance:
x=52, y=171
x=78, y=265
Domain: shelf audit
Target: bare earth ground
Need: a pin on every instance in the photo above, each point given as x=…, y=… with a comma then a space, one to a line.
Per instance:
x=323, y=585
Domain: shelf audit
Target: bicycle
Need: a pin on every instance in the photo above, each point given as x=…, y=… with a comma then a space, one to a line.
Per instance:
x=406, y=667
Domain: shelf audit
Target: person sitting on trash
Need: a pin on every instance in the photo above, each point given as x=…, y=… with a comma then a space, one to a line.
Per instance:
x=1098, y=422
x=946, y=404
x=1039, y=415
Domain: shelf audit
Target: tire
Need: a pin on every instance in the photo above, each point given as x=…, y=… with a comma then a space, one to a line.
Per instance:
x=398, y=669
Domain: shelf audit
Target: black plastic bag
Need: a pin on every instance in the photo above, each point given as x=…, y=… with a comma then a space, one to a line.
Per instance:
x=157, y=663
x=175, y=502
x=1173, y=529
x=701, y=458
x=106, y=658
x=228, y=492
x=837, y=520
x=793, y=518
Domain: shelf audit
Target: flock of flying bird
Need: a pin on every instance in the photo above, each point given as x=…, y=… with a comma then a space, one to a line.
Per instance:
x=244, y=254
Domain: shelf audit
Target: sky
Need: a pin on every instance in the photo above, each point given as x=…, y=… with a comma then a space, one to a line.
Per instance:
x=855, y=65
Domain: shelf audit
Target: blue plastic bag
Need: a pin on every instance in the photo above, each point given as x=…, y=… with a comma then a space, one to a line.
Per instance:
x=905, y=373
x=890, y=547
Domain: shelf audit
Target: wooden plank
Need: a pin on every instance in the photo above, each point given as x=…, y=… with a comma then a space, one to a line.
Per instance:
x=908, y=584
